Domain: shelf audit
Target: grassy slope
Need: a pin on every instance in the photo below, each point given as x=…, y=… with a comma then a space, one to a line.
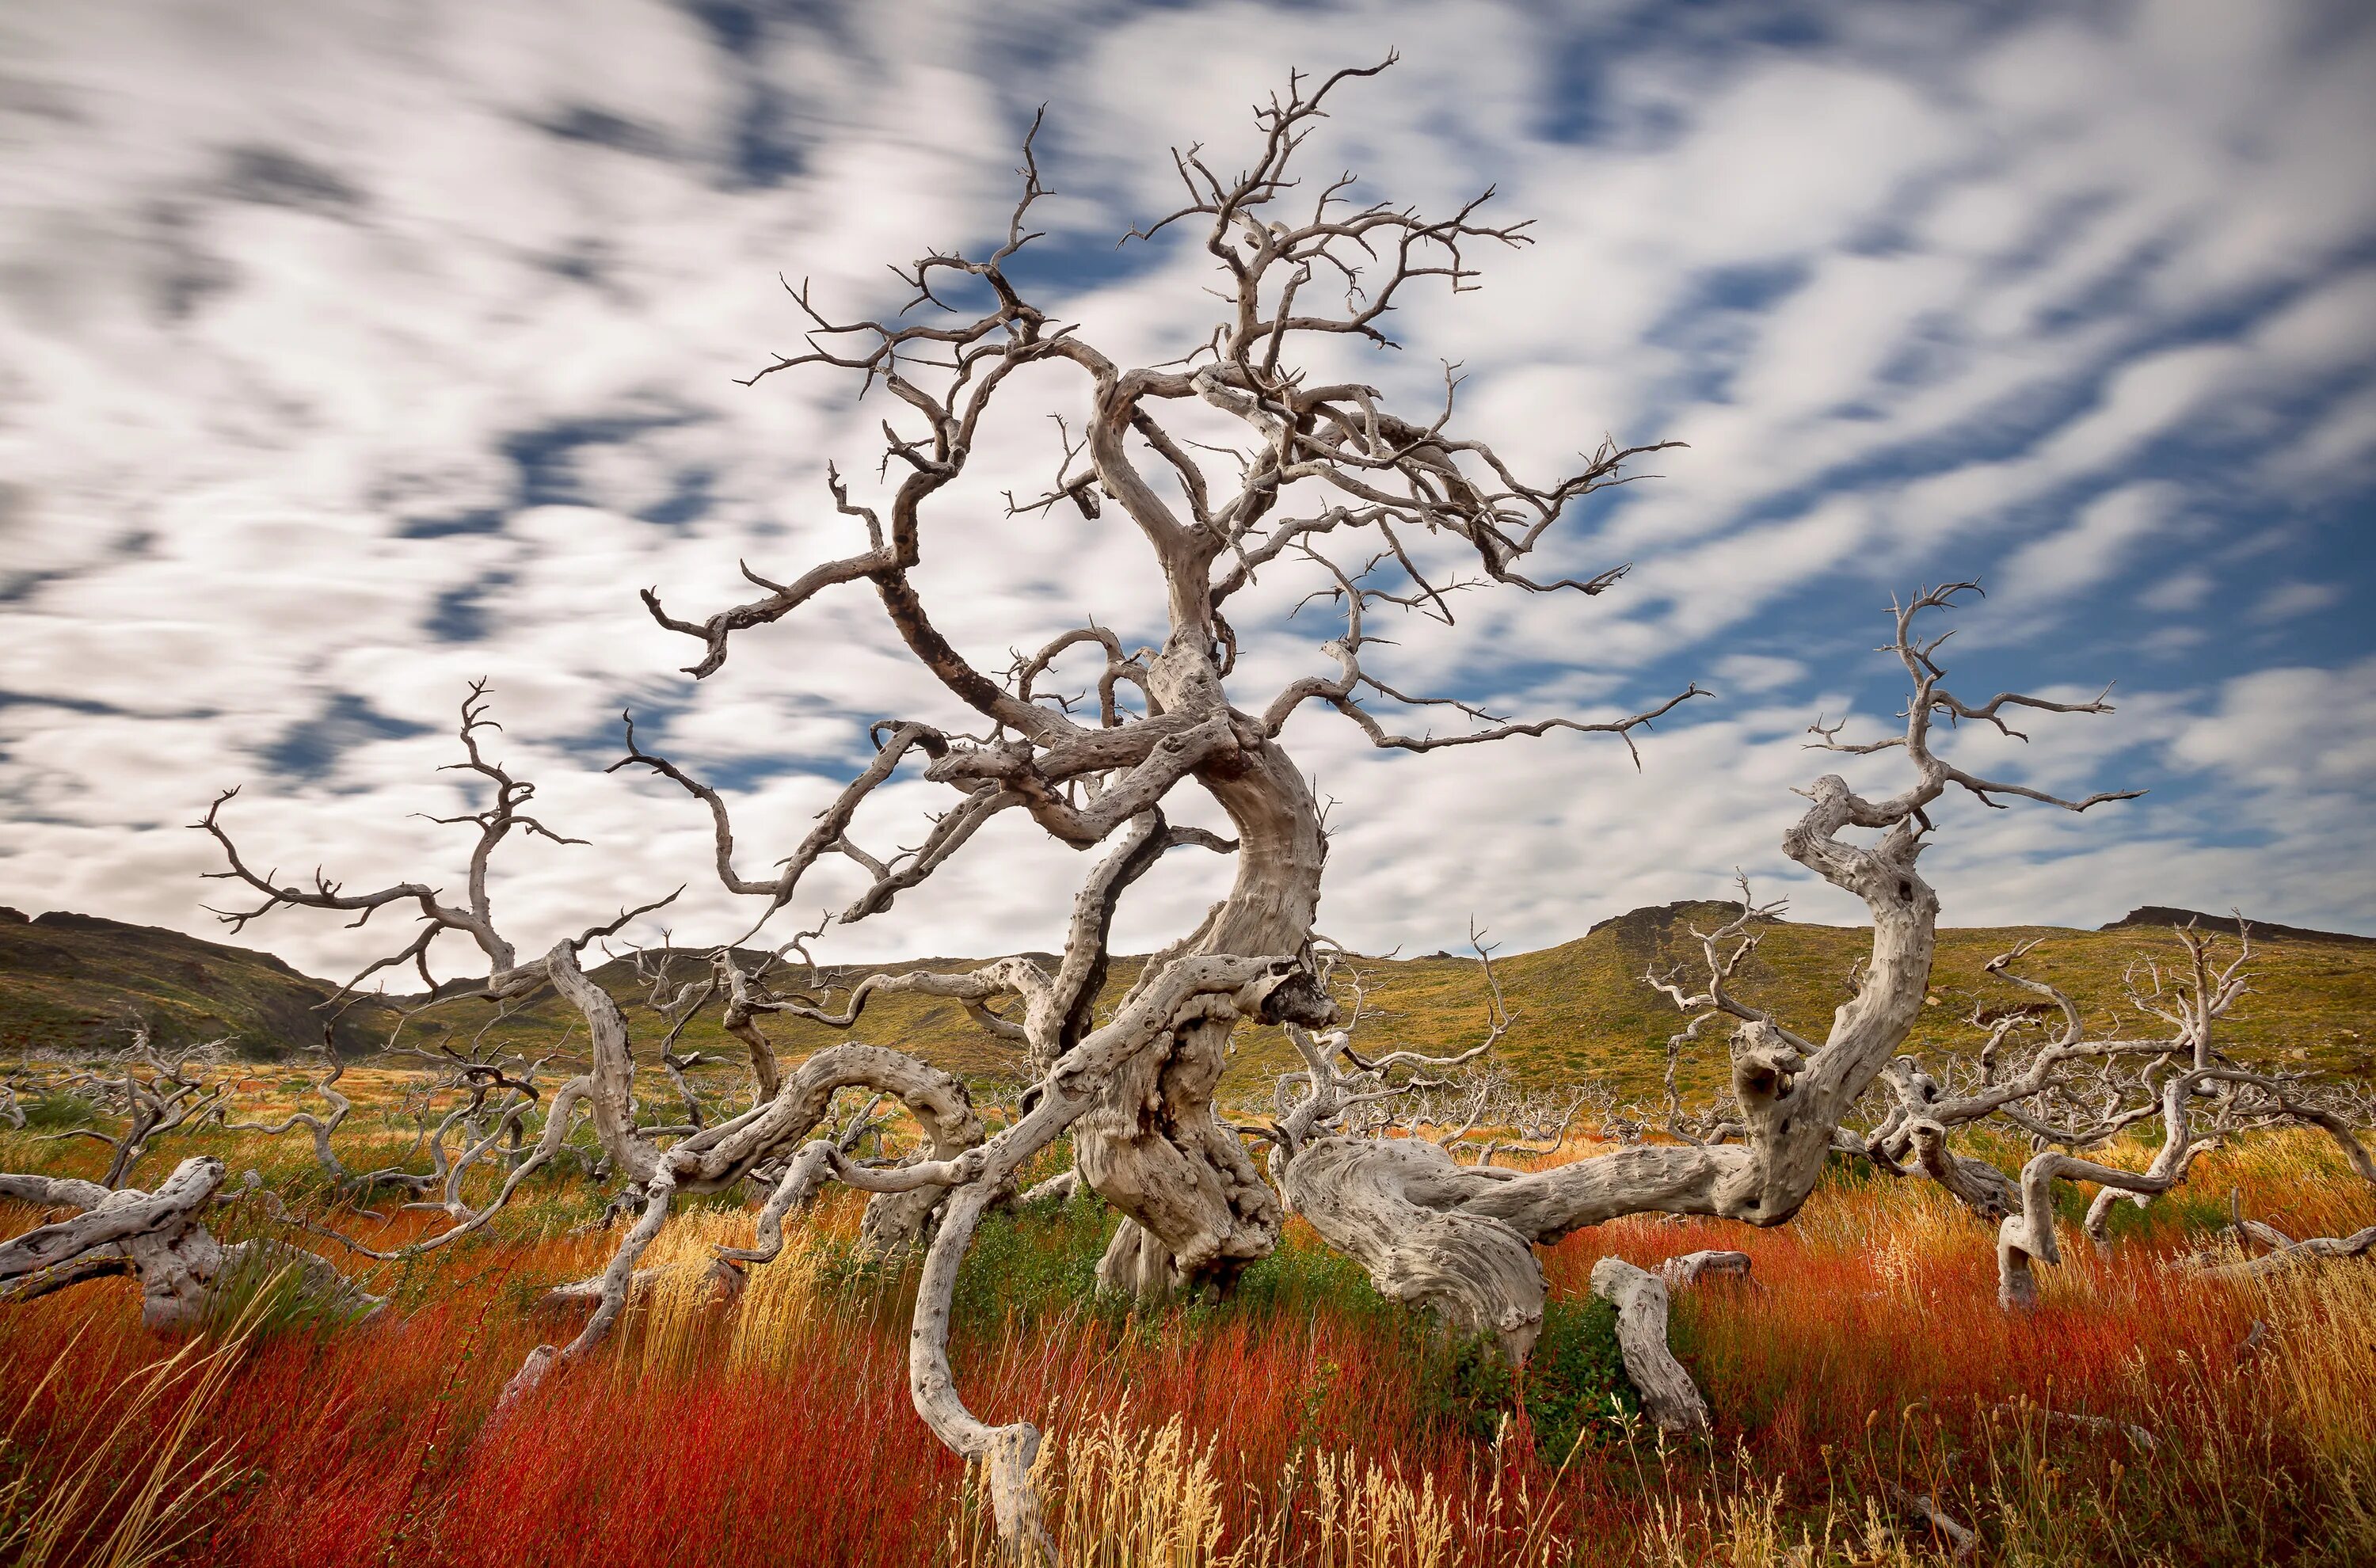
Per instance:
x=76, y=981
x=1581, y=1007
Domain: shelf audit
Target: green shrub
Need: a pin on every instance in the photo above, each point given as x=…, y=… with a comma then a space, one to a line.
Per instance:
x=56, y=1113
x=1035, y=1261
x=1574, y=1387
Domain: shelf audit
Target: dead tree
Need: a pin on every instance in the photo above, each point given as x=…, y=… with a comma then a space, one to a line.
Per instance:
x=1408, y=1212
x=322, y=1129
x=160, y=1236
x=2043, y=1075
x=154, y=1096
x=2068, y=1089
x=2200, y=1096
x=1311, y=464
x=2285, y=1252
x=473, y=1080
x=1340, y=1091
x=1315, y=465
x=1229, y=464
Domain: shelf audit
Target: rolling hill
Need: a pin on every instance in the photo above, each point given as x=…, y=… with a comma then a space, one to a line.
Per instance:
x=77, y=982
x=71, y=981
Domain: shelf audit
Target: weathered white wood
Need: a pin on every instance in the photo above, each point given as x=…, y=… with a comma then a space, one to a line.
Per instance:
x=1370, y=1199
x=1791, y=1092
x=1058, y=1188
x=1987, y=1192
x=2358, y=1244
x=2191, y=1003
x=1962, y=1540
x=160, y=1239
x=1692, y=1268
x=1670, y=1398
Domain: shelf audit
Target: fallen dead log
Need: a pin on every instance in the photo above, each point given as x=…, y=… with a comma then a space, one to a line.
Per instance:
x=2139, y=1438
x=159, y=1238
x=1691, y=1267
x=2358, y=1244
x=1670, y=1398
x=1961, y=1537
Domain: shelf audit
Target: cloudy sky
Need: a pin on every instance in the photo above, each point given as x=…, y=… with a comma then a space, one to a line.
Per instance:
x=349, y=352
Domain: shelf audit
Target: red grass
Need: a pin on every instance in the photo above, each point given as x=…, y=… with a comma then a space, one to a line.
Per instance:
x=1867, y=1346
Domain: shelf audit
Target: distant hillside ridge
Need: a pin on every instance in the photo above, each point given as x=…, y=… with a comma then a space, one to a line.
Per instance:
x=2161, y=915
x=1582, y=1009
x=78, y=982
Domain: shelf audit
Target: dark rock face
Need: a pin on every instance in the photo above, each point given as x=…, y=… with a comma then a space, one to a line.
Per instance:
x=1650, y=932
x=1657, y=921
x=2160, y=915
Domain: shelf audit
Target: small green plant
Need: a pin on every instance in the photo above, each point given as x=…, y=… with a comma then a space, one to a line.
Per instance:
x=58, y=1111
x=1302, y=1278
x=262, y=1295
x=1466, y=1383
x=1572, y=1388
x=1036, y=1262
x=1576, y=1381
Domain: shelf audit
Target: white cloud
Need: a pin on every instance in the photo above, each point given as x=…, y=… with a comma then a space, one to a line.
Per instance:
x=2287, y=600
x=1759, y=672
x=2092, y=548
x=2283, y=728
x=1910, y=295
x=2179, y=593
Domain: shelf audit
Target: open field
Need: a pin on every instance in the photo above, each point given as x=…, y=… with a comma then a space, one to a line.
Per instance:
x=1306, y=1420
x=2144, y=1414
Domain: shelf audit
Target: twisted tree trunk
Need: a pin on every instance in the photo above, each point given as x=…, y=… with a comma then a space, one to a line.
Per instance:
x=1196, y=1208
x=1406, y=1211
